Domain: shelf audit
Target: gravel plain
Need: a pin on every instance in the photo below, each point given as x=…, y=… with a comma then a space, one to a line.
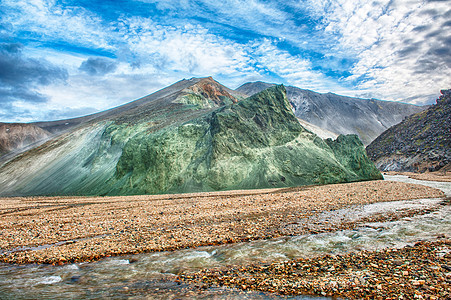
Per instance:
x=59, y=230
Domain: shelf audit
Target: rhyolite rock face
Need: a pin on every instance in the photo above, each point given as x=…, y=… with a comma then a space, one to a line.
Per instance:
x=256, y=143
x=194, y=141
x=17, y=136
x=421, y=142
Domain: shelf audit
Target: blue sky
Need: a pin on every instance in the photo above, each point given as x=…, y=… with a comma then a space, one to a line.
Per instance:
x=67, y=58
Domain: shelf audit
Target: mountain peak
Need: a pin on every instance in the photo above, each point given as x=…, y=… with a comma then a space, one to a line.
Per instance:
x=341, y=114
x=208, y=88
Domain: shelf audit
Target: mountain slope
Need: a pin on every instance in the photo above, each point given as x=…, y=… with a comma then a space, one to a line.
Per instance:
x=421, y=142
x=199, y=92
x=184, y=146
x=339, y=114
x=195, y=93
x=85, y=150
x=17, y=136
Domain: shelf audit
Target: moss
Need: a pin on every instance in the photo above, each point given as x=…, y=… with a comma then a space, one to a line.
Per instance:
x=255, y=143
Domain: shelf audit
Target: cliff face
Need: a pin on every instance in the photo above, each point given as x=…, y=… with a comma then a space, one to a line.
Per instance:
x=187, y=147
x=16, y=136
x=421, y=142
x=340, y=114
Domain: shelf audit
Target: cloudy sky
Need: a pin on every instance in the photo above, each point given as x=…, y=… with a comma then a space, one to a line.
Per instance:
x=67, y=58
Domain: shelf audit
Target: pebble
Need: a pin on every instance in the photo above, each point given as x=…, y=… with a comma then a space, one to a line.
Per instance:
x=297, y=278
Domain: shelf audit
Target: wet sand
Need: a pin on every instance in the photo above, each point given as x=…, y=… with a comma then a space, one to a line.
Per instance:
x=63, y=230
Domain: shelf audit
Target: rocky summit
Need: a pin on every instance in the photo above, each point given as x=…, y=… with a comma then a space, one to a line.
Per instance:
x=367, y=118
x=422, y=142
x=193, y=136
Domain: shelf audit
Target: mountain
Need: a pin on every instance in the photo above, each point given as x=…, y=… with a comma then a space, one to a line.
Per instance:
x=16, y=136
x=202, y=93
x=199, y=92
x=194, y=135
x=340, y=114
x=421, y=142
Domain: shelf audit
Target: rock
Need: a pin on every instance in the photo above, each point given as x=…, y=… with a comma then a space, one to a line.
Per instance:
x=17, y=136
x=341, y=115
x=421, y=142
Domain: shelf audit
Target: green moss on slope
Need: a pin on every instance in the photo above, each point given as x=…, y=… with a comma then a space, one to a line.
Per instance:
x=255, y=143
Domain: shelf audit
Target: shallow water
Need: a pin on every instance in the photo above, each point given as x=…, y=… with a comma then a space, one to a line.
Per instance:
x=150, y=275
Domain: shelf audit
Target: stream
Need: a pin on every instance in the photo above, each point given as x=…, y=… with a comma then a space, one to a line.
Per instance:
x=151, y=275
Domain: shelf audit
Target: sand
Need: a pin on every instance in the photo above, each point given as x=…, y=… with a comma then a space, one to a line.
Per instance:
x=58, y=230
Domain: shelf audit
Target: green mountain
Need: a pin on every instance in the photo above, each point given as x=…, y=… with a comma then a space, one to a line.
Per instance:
x=192, y=136
x=421, y=142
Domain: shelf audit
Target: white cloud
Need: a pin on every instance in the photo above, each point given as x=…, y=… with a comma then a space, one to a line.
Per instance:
x=48, y=21
x=189, y=48
x=293, y=70
x=395, y=44
x=395, y=60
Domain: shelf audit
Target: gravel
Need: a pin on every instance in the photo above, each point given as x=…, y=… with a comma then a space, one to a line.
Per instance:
x=421, y=271
x=57, y=230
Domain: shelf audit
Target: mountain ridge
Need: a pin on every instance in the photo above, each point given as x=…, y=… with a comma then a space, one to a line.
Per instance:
x=421, y=142
x=183, y=147
x=174, y=93
x=341, y=114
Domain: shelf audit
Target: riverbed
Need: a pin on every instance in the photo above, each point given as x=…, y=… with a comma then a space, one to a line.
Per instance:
x=156, y=275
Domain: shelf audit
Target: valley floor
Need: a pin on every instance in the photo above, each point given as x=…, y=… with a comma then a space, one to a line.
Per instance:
x=63, y=230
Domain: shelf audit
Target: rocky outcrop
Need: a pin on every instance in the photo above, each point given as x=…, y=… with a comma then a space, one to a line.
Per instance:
x=209, y=93
x=17, y=136
x=342, y=115
x=184, y=147
x=256, y=143
x=419, y=143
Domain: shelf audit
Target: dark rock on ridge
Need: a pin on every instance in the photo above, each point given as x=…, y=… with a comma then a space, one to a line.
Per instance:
x=422, y=142
x=340, y=114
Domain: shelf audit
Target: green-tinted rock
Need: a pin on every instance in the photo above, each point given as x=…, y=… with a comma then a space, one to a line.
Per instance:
x=171, y=146
x=255, y=143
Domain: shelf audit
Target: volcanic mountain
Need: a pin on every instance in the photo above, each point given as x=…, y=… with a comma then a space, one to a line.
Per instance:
x=195, y=135
x=340, y=114
x=17, y=136
x=419, y=143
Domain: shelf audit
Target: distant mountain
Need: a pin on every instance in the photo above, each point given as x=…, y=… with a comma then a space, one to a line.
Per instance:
x=195, y=135
x=18, y=136
x=340, y=114
x=421, y=142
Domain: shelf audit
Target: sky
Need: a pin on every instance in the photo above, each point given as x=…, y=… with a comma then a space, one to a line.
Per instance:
x=67, y=58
